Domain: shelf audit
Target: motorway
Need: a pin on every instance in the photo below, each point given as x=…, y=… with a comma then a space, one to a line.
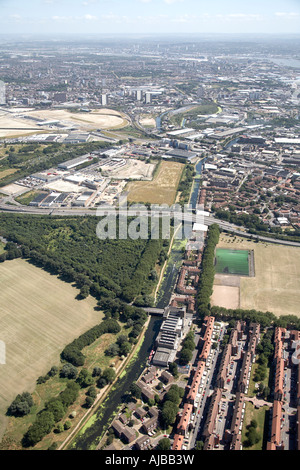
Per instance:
x=187, y=217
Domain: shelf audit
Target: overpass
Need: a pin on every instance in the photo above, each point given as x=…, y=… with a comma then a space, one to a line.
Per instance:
x=154, y=311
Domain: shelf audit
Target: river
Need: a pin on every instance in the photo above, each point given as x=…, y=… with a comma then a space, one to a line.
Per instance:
x=90, y=437
x=286, y=61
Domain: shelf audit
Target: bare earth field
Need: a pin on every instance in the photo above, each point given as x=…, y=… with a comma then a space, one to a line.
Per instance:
x=18, y=122
x=134, y=169
x=147, y=121
x=14, y=189
x=11, y=125
x=39, y=315
x=226, y=296
x=276, y=285
x=162, y=189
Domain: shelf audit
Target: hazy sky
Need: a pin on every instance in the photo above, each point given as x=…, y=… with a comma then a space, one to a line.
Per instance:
x=149, y=16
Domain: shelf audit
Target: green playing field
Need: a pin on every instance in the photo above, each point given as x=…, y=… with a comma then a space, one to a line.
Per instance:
x=232, y=262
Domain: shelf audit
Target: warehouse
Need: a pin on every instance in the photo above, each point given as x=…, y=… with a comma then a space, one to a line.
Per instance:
x=84, y=199
x=38, y=199
x=178, y=153
x=68, y=165
x=49, y=200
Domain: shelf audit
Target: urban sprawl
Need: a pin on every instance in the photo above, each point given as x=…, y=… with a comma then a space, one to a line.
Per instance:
x=84, y=126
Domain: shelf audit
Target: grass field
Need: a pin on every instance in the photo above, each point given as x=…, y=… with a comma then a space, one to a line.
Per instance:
x=39, y=315
x=28, y=197
x=4, y=173
x=232, y=261
x=162, y=189
x=259, y=415
x=276, y=285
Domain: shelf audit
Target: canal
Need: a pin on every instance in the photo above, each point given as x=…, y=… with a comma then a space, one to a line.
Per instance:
x=91, y=434
x=169, y=279
x=196, y=184
x=175, y=259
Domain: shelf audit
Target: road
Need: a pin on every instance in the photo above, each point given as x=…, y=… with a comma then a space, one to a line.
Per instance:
x=188, y=217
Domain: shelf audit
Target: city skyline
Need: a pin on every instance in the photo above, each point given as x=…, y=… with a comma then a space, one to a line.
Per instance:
x=149, y=17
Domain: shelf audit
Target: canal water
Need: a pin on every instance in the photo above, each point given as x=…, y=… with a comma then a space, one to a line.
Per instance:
x=196, y=185
x=159, y=120
x=91, y=436
x=173, y=266
x=176, y=255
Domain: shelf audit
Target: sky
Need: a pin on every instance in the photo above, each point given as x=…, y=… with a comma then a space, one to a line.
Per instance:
x=149, y=16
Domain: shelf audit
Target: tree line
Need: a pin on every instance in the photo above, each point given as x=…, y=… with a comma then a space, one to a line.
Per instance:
x=71, y=249
x=206, y=278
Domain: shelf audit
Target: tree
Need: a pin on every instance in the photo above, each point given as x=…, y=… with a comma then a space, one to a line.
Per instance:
x=185, y=356
x=101, y=383
x=67, y=425
x=88, y=402
x=21, y=405
x=164, y=444
x=92, y=392
x=53, y=446
x=59, y=428
x=173, y=368
x=112, y=350
x=121, y=339
x=135, y=391
x=125, y=348
x=84, y=291
x=168, y=414
x=109, y=375
x=69, y=371
x=53, y=371
x=252, y=435
x=56, y=407
x=97, y=372
x=40, y=428
x=173, y=396
x=199, y=445
x=84, y=378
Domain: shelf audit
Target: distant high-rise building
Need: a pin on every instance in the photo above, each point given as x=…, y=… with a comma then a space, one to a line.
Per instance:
x=104, y=100
x=60, y=97
x=254, y=95
x=200, y=91
x=139, y=95
x=2, y=93
x=148, y=98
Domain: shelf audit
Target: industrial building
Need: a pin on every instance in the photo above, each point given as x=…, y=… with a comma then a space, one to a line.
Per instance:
x=84, y=199
x=169, y=336
x=2, y=93
x=179, y=153
x=68, y=165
